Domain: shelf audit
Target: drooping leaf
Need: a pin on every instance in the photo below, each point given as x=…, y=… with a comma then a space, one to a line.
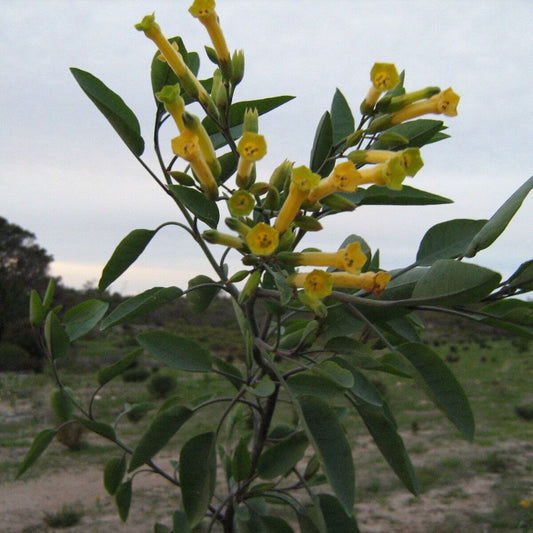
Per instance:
x=125, y=254
x=381, y=425
x=376, y=195
x=163, y=427
x=341, y=117
x=241, y=461
x=82, y=318
x=123, y=499
x=111, y=105
x=140, y=305
x=179, y=523
x=55, y=336
x=321, y=146
x=499, y=221
x=282, y=456
x=335, y=516
x=447, y=240
x=100, y=428
x=175, y=351
x=450, y=282
x=114, y=472
x=38, y=446
x=361, y=387
x=441, y=385
x=202, y=208
x=197, y=472
x=107, y=373
x=200, y=299
x=329, y=441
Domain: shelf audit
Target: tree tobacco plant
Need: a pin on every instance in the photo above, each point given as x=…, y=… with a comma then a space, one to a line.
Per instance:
x=317, y=325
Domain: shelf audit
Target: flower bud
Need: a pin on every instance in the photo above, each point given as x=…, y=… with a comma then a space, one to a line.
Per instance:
x=238, y=225
x=251, y=120
x=281, y=175
x=250, y=287
x=315, y=305
x=213, y=236
x=338, y=203
x=237, y=62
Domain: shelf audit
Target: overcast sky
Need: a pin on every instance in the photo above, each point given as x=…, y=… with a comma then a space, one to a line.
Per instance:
x=67, y=177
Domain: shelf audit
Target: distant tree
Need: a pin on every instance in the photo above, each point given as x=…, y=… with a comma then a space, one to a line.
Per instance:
x=23, y=266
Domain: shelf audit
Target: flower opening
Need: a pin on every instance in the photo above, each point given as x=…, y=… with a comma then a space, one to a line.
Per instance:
x=241, y=203
x=262, y=239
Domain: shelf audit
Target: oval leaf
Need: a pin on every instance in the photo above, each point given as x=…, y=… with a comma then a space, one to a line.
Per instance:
x=82, y=318
x=498, y=222
x=341, y=117
x=335, y=516
x=280, y=458
x=140, y=305
x=163, y=427
x=127, y=251
x=447, y=240
x=37, y=309
x=114, y=472
x=56, y=338
x=321, y=145
x=119, y=115
x=376, y=195
x=202, y=208
x=450, y=282
x=110, y=372
x=38, y=446
x=105, y=430
x=176, y=352
x=200, y=299
x=442, y=387
x=123, y=499
x=329, y=441
x=241, y=462
x=197, y=474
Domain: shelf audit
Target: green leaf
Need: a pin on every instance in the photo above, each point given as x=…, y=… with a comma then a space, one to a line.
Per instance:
x=105, y=430
x=175, y=351
x=447, y=240
x=442, y=387
x=341, y=117
x=450, y=282
x=321, y=145
x=123, y=499
x=82, y=318
x=381, y=425
x=202, y=208
x=329, y=441
x=231, y=372
x=197, y=473
x=114, y=472
x=125, y=254
x=163, y=427
x=38, y=446
x=241, y=462
x=49, y=294
x=418, y=132
x=228, y=166
x=522, y=278
x=376, y=195
x=107, y=373
x=55, y=336
x=200, y=299
x=179, y=523
x=361, y=387
x=512, y=310
x=335, y=516
x=236, y=117
x=499, y=221
x=111, y=105
x=282, y=457
x=140, y=305
x=37, y=309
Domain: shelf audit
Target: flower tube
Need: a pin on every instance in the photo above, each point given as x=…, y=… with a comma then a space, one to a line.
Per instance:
x=384, y=77
x=374, y=282
x=343, y=178
x=389, y=174
x=444, y=103
x=187, y=146
x=410, y=158
x=303, y=181
x=192, y=123
x=169, y=95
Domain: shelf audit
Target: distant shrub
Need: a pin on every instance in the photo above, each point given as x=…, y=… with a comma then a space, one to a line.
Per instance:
x=14, y=358
x=162, y=385
x=68, y=516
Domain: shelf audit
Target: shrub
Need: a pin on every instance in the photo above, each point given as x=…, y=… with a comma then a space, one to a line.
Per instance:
x=162, y=385
x=14, y=358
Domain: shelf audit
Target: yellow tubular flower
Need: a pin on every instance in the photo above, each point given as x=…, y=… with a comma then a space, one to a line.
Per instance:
x=251, y=148
x=241, y=203
x=262, y=239
x=187, y=146
x=174, y=104
x=303, y=181
x=192, y=123
x=374, y=282
x=204, y=11
x=384, y=77
x=389, y=174
x=316, y=284
x=216, y=237
x=443, y=103
x=410, y=158
x=190, y=83
x=343, y=178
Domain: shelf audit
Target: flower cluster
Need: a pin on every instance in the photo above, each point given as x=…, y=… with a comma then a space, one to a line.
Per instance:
x=270, y=218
